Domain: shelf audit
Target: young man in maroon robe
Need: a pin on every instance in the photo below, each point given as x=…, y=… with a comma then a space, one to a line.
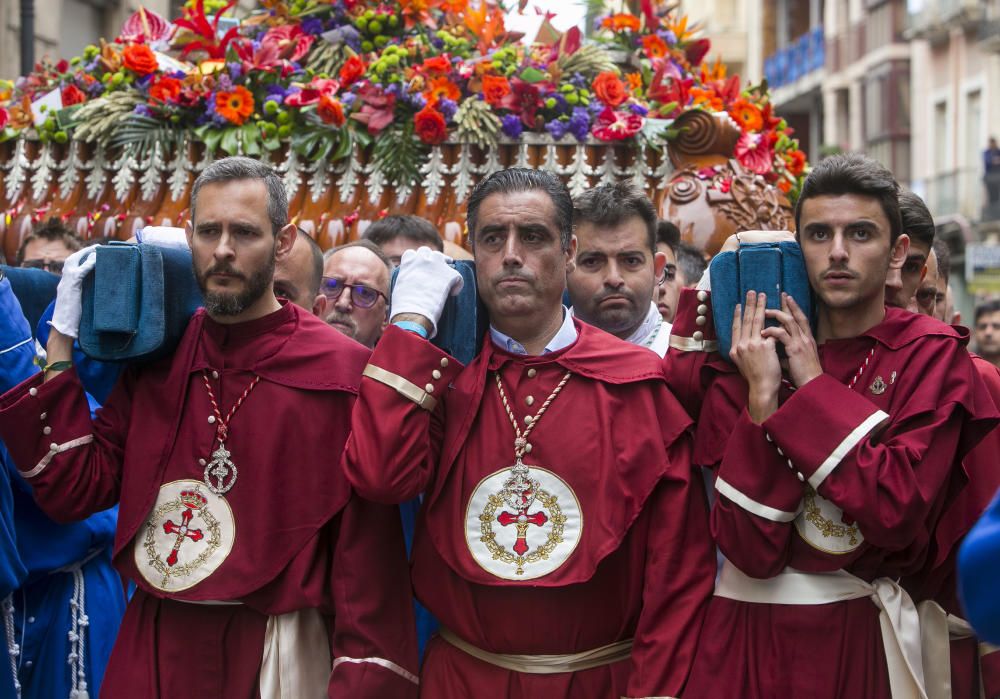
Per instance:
x=257, y=569
x=831, y=475
x=563, y=541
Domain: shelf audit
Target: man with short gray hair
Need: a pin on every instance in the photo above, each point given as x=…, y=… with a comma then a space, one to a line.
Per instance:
x=258, y=571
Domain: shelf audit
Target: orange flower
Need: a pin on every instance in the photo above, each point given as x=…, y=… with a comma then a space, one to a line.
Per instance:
x=234, y=106
x=795, y=161
x=747, y=115
x=330, y=111
x=716, y=72
x=442, y=88
x=140, y=59
x=784, y=185
x=165, y=89
x=655, y=46
x=437, y=64
x=706, y=98
x=621, y=22
x=609, y=89
x=495, y=88
x=430, y=125
x=634, y=81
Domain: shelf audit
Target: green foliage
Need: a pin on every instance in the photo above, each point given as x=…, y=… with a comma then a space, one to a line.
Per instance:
x=398, y=155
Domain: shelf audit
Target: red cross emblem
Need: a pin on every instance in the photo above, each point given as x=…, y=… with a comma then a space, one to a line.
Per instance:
x=192, y=500
x=521, y=520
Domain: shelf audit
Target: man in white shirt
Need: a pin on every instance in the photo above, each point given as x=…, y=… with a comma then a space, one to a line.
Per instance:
x=618, y=268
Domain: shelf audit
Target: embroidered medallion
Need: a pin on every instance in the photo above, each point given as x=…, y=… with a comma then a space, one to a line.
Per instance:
x=821, y=525
x=522, y=522
x=187, y=536
x=878, y=386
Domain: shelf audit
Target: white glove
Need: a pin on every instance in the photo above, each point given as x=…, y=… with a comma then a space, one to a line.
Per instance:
x=163, y=236
x=69, y=293
x=424, y=283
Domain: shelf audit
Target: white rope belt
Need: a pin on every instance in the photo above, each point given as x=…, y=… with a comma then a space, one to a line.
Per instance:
x=898, y=616
x=545, y=664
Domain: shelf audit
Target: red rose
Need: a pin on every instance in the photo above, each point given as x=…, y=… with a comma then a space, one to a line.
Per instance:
x=609, y=89
x=62, y=66
x=495, y=88
x=71, y=95
x=352, y=70
x=330, y=111
x=140, y=59
x=165, y=89
x=430, y=125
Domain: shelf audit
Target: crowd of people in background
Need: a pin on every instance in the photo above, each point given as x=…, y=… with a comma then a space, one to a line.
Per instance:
x=597, y=504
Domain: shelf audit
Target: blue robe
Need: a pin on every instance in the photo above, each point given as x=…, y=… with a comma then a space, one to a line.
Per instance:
x=979, y=571
x=57, y=558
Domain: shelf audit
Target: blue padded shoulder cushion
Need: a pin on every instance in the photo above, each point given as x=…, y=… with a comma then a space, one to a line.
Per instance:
x=762, y=267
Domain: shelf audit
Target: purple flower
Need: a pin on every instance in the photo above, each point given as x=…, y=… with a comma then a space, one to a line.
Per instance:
x=447, y=107
x=578, y=81
x=235, y=70
x=511, y=125
x=225, y=82
x=348, y=99
x=668, y=36
x=276, y=93
x=416, y=99
x=313, y=25
x=557, y=128
x=142, y=110
x=638, y=109
x=579, y=124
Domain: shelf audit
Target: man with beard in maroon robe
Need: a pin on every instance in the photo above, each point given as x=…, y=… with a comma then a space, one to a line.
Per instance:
x=831, y=473
x=563, y=541
x=258, y=571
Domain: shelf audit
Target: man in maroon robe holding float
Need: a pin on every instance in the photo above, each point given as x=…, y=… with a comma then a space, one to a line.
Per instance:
x=258, y=571
x=563, y=541
x=832, y=474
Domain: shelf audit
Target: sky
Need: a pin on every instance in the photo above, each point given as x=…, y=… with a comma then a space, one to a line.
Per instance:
x=568, y=13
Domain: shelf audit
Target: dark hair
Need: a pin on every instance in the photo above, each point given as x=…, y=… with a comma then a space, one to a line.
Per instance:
x=414, y=228
x=316, y=268
x=986, y=308
x=240, y=168
x=611, y=205
x=52, y=230
x=943, y=254
x=853, y=173
x=691, y=262
x=668, y=234
x=363, y=243
x=519, y=179
x=916, y=217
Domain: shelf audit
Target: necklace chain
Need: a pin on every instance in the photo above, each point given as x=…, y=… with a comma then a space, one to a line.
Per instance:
x=222, y=431
x=521, y=438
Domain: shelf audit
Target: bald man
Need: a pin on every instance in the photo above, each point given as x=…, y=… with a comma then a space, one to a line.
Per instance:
x=356, y=286
x=297, y=277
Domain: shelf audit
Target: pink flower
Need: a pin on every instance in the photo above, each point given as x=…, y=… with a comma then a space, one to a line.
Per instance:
x=311, y=93
x=524, y=100
x=616, y=126
x=754, y=152
x=378, y=108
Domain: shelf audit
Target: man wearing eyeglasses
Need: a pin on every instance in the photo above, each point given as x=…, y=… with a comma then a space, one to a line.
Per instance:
x=47, y=247
x=617, y=266
x=361, y=270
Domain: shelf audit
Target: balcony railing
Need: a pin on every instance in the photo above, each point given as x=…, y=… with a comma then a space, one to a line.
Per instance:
x=962, y=192
x=805, y=55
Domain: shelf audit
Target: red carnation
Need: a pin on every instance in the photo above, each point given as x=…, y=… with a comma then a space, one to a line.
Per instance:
x=352, y=70
x=430, y=125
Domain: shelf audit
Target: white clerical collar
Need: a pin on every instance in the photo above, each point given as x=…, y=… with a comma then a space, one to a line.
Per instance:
x=565, y=337
x=650, y=324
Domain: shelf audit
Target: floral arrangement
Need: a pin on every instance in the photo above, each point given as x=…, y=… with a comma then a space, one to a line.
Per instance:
x=326, y=76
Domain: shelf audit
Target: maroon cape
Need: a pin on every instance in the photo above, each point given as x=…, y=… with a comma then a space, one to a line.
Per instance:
x=614, y=446
x=301, y=538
